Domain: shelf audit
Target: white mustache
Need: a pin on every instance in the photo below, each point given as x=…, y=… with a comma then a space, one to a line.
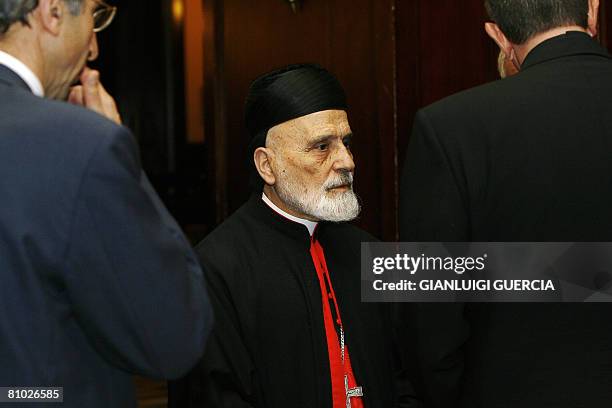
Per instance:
x=343, y=179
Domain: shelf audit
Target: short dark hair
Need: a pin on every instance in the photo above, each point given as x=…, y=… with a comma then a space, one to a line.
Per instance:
x=13, y=11
x=520, y=20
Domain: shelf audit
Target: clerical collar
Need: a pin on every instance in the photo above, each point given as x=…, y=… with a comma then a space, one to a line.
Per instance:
x=23, y=71
x=310, y=225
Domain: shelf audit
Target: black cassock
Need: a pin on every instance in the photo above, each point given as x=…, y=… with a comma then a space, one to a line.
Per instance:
x=268, y=348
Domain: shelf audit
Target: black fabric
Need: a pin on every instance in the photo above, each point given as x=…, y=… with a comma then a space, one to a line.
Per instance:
x=522, y=159
x=288, y=93
x=268, y=348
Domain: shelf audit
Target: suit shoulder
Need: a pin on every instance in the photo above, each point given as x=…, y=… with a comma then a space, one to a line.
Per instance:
x=483, y=101
x=468, y=117
x=61, y=138
x=474, y=100
x=88, y=122
x=63, y=122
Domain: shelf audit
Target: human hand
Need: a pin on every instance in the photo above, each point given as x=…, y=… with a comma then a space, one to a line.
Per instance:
x=92, y=95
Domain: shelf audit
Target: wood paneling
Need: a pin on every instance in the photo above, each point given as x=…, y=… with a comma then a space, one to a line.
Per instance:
x=194, y=78
x=605, y=23
x=442, y=49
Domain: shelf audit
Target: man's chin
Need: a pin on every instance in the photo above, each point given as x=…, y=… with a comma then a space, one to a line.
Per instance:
x=340, y=206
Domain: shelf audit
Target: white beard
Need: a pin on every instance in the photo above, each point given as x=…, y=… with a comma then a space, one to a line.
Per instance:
x=321, y=204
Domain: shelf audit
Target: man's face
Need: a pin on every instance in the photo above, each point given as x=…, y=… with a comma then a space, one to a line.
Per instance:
x=75, y=45
x=313, y=166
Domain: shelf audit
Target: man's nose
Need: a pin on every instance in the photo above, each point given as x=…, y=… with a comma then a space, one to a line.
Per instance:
x=344, y=159
x=93, y=48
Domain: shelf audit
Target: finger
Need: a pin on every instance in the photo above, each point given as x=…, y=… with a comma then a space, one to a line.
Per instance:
x=95, y=96
x=76, y=95
x=91, y=91
x=109, y=105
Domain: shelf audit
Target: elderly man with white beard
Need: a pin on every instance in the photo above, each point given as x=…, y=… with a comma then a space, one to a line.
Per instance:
x=283, y=271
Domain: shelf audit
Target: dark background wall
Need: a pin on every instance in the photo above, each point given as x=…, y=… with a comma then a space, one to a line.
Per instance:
x=142, y=65
x=392, y=56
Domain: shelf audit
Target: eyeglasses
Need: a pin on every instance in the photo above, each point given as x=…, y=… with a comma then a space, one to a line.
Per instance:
x=103, y=15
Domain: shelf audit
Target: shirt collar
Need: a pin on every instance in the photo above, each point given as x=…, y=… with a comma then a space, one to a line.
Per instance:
x=310, y=225
x=23, y=71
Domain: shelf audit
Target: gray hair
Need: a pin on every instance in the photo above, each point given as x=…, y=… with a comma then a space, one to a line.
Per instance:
x=520, y=20
x=13, y=11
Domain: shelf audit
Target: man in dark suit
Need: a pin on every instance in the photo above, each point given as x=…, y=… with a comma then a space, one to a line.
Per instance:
x=527, y=158
x=97, y=282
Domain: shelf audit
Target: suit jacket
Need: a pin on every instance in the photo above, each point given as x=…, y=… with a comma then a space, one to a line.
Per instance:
x=527, y=158
x=97, y=282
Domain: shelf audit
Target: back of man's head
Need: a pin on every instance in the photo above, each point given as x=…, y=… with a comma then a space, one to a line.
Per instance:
x=520, y=20
x=13, y=11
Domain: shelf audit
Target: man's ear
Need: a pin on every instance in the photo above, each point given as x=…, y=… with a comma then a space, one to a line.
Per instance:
x=261, y=158
x=593, y=17
x=52, y=13
x=500, y=38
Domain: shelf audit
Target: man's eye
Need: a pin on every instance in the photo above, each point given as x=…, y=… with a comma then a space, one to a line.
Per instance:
x=347, y=143
x=322, y=146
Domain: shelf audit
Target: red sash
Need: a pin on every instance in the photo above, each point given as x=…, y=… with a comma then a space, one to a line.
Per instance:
x=338, y=368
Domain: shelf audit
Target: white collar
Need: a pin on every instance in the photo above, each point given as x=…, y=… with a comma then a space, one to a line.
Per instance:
x=311, y=225
x=23, y=71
